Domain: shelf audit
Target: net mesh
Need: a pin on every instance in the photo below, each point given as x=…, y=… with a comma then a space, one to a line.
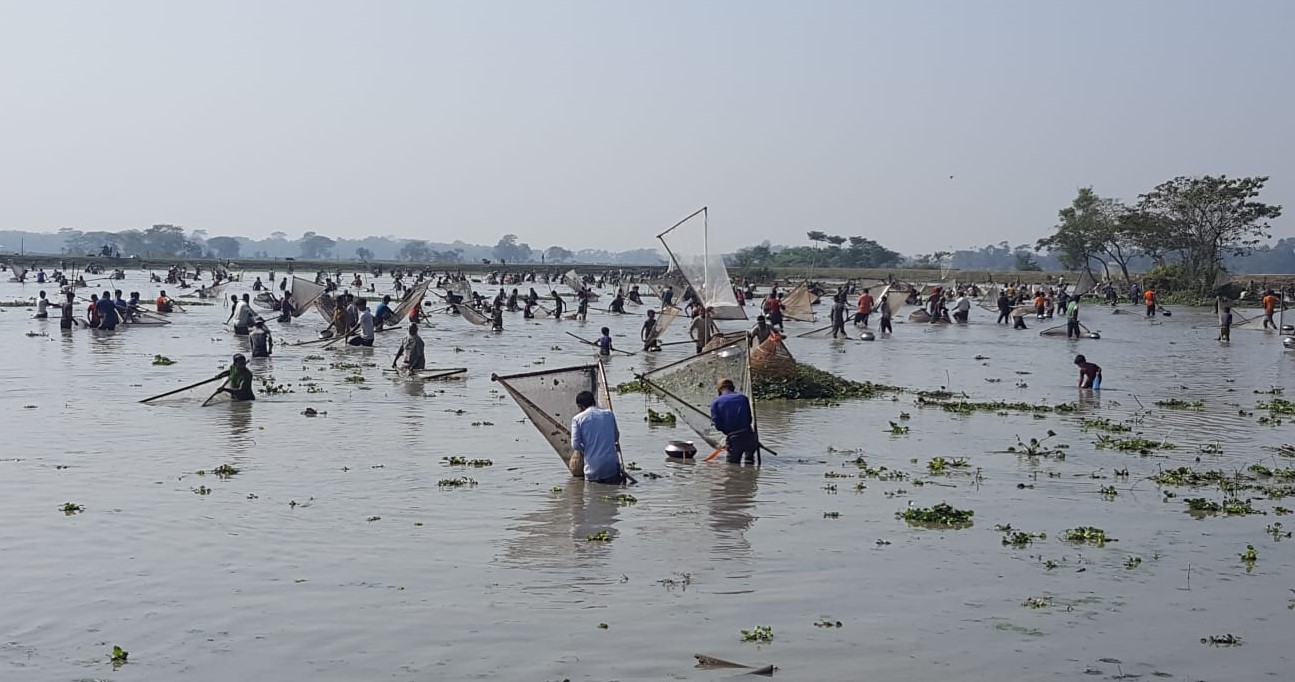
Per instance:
x=798, y=304
x=896, y=299
x=1085, y=284
x=663, y=321
x=688, y=386
x=305, y=294
x=686, y=244
x=549, y=399
x=473, y=315
x=572, y=280
x=413, y=298
x=771, y=358
x=990, y=300
x=1060, y=330
x=219, y=397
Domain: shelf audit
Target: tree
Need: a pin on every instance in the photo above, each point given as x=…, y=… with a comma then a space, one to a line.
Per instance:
x=1205, y=219
x=509, y=250
x=1025, y=262
x=363, y=254
x=557, y=254
x=835, y=240
x=224, y=247
x=315, y=246
x=415, y=250
x=167, y=240
x=1092, y=228
x=816, y=236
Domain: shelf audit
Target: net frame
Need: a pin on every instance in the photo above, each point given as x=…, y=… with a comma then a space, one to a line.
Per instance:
x=305, y=295
x=686, y=406
x=798, y=304
x=555, y=424
x=704, y=271
x=473, y=315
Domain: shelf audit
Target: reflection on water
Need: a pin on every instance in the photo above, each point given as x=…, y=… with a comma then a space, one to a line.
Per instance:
x=342, y=513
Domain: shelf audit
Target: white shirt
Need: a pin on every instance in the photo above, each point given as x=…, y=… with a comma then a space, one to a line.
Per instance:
x=366, y=324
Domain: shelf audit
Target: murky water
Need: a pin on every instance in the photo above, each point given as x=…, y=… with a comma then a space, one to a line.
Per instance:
x=377, y=573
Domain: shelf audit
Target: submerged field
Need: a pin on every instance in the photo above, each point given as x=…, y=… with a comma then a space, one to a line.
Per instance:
x=423, y=531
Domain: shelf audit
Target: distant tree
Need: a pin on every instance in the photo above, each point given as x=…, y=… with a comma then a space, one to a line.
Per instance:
x=509, y=250
x=816, y=236
x=1091, y=229
x=168, y=240
x=557, y=254
x=279, y=235
x=224, y=247
x=363, y=254
x=1204, y=219
x=1025, y=262
x=835, y=240
x=315, y=246
x=415, y=250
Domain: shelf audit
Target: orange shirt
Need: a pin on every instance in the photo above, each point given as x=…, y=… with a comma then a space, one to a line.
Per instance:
x=865, y=304
x=1270, y=303
x=1149, y=297
x=161, y=301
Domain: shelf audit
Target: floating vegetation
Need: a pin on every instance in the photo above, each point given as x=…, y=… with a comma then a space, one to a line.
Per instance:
x=760, y=633
x=344, y=366
x=1179, y=404
x=483, y=423
x=1278, y=406
x=223, y=471
x=811, y=383
x=312, y=358
x=623, y=499
x=1261, y=470
x=634, y=386
x=1037, y=602
x=682, y=581
x=1087, y=534
x=1276, y=530
x=828, y=623
x=940, y=515
x=270, y=387
x=1230, y=506
x=600, y=536
x=655, y=418
x=458, y=461
x=201, y=490
x=602, y=626
x=1222, y=640
x=1036, y=447
x=880, y=473
x=938, y=465
x=1250, y=556
x=1141, y=446
x=71, y=508
x=969, y=407
x=371, y=519
x=162, y=360
x=354, y=379
x=1132, y=562
x=897, y=429
x=1189, y=476
x=1109, y=492
x=835, y=474
x=1103, y=424
x=119, y=656
x=460, y=482
x=1019, y=538
x=1281, y=511
x=832, y=515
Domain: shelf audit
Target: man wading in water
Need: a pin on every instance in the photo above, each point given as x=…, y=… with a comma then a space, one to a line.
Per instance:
x=412, y=350
x=595, y=442
x=731, y=413
x=239, y=386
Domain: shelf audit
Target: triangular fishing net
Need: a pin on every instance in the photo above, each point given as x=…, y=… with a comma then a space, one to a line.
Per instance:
x=798, y=304
x=1085, y=284
x=990, y=300
x=772, y=359
x=549, y=399
x=221, y=396
x=413, y=298
x=572, y=280
x=896, y=299
x=663, y=321
x=686, y=244
x=473, y=315
x=688, y=386
x=460, y=287
x=1060, y=330
x=305, y=294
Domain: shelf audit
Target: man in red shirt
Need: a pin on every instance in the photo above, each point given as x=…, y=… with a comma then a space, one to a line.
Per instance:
x=865, y=309
x=1270, y=306
x=1090, y=375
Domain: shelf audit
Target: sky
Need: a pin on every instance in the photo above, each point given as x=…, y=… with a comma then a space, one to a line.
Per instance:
x=924, y=125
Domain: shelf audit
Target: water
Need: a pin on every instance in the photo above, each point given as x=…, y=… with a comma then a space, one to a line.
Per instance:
x=499, y=582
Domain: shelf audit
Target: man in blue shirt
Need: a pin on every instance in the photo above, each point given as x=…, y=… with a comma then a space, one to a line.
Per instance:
x=382, y=312
x=731, y=413
x=108, y=317
x=596, y=438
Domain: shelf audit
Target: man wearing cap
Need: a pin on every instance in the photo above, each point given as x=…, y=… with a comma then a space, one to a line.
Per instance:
x=731, y=413
x=239, y=386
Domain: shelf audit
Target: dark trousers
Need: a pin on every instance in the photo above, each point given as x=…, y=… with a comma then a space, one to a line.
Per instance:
x=741, y=447
x=360, y=341
x=1004, y=317
x=1072, y=328
x=885, y=326
x=241, y=330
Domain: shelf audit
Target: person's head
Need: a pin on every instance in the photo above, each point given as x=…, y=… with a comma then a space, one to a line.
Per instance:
x=260, y=324
x=584, y=400
x=386, y=299
x=239, y=360
x=651, y=314
x=117, y=293
x=413, y=330
x=234, y=298
x=1080, y=359
x=865, y=291
x=1227, y=309
x=759, y=319
x=163, y=293
x=247, y=298
x=605, y=331
x=107, y=294
x=42, y=294
x=725, y=386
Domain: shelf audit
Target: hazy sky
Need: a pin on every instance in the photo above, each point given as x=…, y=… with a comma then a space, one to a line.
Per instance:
x=598, y=124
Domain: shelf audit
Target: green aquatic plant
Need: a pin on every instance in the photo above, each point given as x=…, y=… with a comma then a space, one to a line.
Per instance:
x=371, y=519
x=600, y=536
x=1250, y=556
x=1179, y=404
x=162, y=361
x=1281, y=511
x=938, y=465
x=224, y=471
x=460, y=461
x=760, y=633
x=460, y=482
x=811, y=383
x=270, y=387
x=1019, y=539
x=602, y=626
x=1230, y=506
x=354, y=379
x=1186, y=476
x=71, y=508
x=1277, y=406
x=1277, y=531
x=1087, y=534
x=1103, y=424
x=1037, y=602
x=835, y=474
x=1222, y=640
x=881, y=473
x=828, y=623
x=622, y=499
x=897, y=430
x=201, y=490
x=634, y=386
x=1132, y=562
x=941, y=514
x=1141, y=446
x=655, y=418
x=118, y=656
x=1109, y=492
x=1037, y=447
x=832, y=515
x=1280, y=473
x=1215, y=448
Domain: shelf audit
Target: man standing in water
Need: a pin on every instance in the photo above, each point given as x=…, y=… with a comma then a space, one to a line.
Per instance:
x=1225, y=325
x=731, y=413
x=864, y=310
x=648, y=334
x=595, y=442
x=107, y=311
x=69, y=310
x=701, y=328
x=1072, y=318
x=1149, y=297
x=412, y=350
x=262, y=342
x=838, y=315
x=885, y=327
x=239, y=386
x=1270, y=307
x=365, y=324
x=604, y=342
x=245, y=317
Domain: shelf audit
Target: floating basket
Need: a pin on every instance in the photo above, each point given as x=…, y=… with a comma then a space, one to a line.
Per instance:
x=772, y=360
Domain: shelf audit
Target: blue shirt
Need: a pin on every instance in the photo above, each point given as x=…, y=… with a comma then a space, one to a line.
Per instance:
x=731, y=413
x=382, y=311
x=595, y=434
x=107, y=309
x=605, y=345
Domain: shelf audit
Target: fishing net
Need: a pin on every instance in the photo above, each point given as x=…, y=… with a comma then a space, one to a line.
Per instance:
x=305, y=294
x=798, y=304
x=413, y=298
x=663, y=321
x=772, y=359
x=473, y=315
x=460, y=287
x=686, y=244
x=1086, y=283
x=572, y=280
x=549, y=399
x=1060, y=330
x=221, y=396
x=688, y=386
x=990, y=300
x=896, y=299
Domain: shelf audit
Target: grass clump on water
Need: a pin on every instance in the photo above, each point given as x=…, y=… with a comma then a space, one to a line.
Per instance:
x=941, y=514
x=1088, y=534
x=811, y=383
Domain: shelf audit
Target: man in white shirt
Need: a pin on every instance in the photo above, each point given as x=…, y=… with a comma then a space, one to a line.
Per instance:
x=365, y=324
